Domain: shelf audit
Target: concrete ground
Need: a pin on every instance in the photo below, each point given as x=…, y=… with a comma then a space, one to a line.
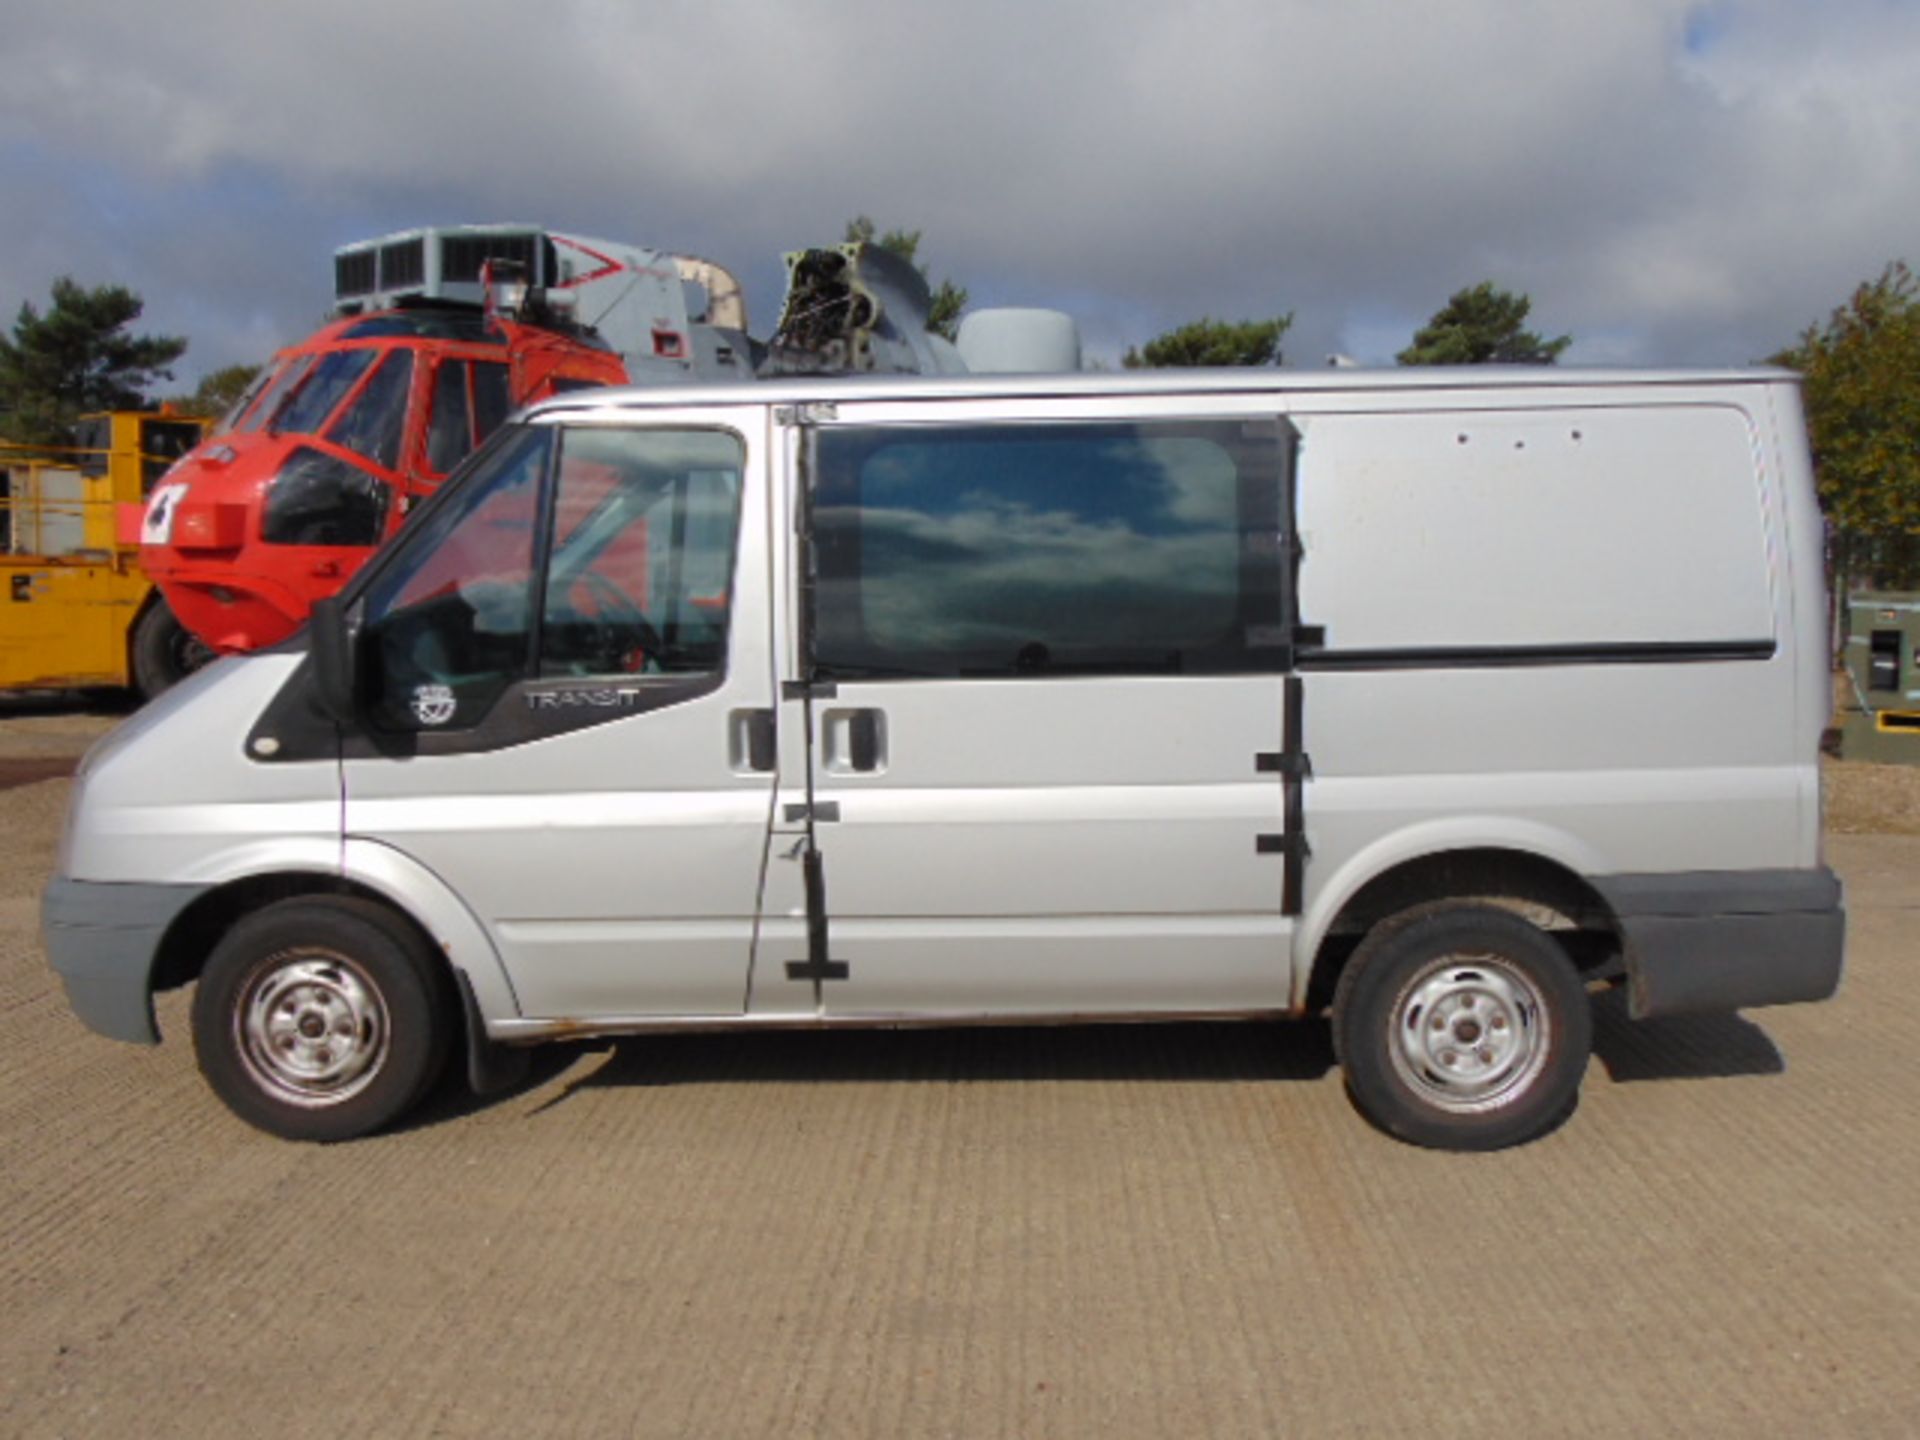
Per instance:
x=1154, y=1231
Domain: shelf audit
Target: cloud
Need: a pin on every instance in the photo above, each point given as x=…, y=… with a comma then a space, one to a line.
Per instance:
x=1673, y=183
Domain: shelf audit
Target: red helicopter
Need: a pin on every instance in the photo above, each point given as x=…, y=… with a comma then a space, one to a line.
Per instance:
x=444, y=333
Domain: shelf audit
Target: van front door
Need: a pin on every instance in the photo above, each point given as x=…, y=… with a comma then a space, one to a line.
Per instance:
x=570, y=706
x=1041, y=672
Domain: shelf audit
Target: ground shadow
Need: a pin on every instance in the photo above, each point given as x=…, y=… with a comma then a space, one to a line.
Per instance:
x=15, y=704
x=1171, y=1052
x=1679, y=1047
x=1158, y=1052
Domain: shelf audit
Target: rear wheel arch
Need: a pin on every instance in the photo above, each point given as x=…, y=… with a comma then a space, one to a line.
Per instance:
x=1551, y=894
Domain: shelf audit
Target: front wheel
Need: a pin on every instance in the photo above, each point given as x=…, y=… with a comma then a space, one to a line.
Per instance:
x=320, y=1019
x=1462, y=1027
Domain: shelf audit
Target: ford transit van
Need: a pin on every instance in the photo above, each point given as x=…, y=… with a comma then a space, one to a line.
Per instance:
x=1432, y=701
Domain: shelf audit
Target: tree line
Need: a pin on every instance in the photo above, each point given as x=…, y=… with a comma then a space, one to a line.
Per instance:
x=1861, y=369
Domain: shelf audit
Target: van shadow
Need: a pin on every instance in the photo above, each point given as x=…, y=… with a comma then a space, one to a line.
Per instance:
x=1157, y=1052
x=1676, y=1048
x=1171, y=1052
x=1679, y=1047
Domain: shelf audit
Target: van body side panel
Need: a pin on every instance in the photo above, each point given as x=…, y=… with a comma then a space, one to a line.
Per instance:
x=1548, y=532
x=170, y=796
x=1014, y=855
x=1802, y=563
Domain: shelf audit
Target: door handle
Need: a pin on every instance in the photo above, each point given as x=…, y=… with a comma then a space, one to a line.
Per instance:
x=750, y=742
x=855, y=741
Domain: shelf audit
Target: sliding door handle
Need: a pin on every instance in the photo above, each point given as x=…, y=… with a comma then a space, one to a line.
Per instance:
x=855, y=741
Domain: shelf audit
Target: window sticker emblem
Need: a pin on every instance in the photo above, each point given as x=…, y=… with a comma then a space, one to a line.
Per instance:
x=433, y=704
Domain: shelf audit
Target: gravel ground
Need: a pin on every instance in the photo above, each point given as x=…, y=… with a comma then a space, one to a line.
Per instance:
x=1111, y=1231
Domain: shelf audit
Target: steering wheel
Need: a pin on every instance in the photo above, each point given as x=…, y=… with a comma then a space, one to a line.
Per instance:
x=624, y=632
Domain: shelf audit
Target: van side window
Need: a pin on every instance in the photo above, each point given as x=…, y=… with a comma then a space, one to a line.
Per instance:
x=449, y=623
x=1048, y=549
x=643, y=526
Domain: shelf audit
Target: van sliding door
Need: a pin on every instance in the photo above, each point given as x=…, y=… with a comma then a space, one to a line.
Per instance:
x=1039, y=667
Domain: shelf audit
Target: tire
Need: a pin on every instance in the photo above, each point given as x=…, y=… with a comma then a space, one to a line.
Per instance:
x=164, y=651
x=1462, y=1027
x=322, y=1018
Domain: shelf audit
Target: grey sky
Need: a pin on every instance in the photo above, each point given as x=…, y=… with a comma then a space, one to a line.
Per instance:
x=1672, y=183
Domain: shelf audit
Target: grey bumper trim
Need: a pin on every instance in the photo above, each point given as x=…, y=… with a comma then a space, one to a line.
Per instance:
x=102, y=939
x=1722, y=940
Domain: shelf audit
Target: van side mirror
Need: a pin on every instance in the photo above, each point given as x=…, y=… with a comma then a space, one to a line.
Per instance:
x=333, y=641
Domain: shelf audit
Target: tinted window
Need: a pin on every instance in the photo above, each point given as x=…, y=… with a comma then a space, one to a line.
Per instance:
x=490, y=403
x=1047, y=549
x=318, y=499
x=374, y=424
x=305, y=408
x=450, y=431
x=469, y=326
x=285, y=377
x=449, y=619
x=644, y=524
x=161, y=443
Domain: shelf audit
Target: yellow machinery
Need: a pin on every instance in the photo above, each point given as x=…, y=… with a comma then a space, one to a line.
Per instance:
x=75, y=609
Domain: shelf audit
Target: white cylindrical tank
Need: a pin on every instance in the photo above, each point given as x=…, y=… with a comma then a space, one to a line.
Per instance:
x=1015, y=341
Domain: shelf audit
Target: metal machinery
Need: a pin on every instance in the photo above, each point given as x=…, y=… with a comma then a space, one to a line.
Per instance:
x=76, y=610
x=1880, y=716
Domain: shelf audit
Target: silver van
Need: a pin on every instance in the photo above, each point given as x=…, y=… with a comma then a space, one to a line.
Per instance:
x=1433, y=701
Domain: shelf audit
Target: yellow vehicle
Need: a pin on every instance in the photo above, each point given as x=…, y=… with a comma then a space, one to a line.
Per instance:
x=75, y=609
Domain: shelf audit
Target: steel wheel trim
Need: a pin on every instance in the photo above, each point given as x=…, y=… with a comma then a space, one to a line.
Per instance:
x=1470, y=1033
x=312, y=1031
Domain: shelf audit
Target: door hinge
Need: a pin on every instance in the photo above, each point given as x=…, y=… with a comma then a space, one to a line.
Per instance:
x=818, y=970
x=1293, y=845
x=1278, y=762
x=821, y=812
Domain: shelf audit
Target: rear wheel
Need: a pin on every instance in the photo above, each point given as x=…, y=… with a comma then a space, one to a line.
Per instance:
x=1462, y=1027
x=165, y=652
x=321, y=1019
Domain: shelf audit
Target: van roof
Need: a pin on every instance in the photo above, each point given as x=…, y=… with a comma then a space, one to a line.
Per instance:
x=803, y=389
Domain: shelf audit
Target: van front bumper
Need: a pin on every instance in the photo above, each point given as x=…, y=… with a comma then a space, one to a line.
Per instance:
x=1711, y=940
x=102, y=940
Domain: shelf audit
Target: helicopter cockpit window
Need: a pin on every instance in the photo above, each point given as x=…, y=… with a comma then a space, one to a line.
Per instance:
x=374, y=424
x=469, y=402
x=450, y=431
x=286, y=376
x=306, y=408
x=491, y=402
x=320, y=499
